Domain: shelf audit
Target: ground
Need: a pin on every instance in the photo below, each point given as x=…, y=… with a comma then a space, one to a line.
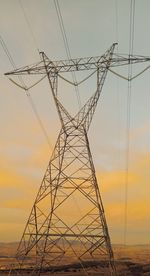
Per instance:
x=130, y=261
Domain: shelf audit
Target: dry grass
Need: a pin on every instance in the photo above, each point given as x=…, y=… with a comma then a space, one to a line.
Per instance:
x=130, y=260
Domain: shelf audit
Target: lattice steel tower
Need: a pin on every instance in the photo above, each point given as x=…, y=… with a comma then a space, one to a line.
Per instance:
x=57, y=234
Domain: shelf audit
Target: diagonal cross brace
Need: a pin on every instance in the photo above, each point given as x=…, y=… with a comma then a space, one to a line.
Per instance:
x=85, y=114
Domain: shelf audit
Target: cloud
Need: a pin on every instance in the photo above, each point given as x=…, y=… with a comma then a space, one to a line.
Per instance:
x=112, y=188
x=20, y=182
x=10, y=231
x=17, y=191
x=110, y=180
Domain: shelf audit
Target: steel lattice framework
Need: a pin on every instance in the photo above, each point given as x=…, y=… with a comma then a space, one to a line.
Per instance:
x=56, y=234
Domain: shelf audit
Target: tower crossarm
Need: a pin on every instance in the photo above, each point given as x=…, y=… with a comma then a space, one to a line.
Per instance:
x=79, y=64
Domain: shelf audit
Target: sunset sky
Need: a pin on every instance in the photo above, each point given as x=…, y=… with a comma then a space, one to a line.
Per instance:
x=91, y=27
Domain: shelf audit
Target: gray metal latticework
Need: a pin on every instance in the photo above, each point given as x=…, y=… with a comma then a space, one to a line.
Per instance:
x=58, y=233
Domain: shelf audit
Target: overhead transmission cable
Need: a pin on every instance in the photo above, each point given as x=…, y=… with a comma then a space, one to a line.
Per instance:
x=68, y=53
x=66, y=44
x=131, y=43
x=118, y=102
x=117, y=31
x=3, y=44
x=127, y=78
x=29, y=25
x=9, y=56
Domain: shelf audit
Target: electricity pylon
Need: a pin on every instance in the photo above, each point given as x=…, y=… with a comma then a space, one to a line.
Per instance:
x=59, y=233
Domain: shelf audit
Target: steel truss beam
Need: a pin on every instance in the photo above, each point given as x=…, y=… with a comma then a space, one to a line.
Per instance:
x=79, y=64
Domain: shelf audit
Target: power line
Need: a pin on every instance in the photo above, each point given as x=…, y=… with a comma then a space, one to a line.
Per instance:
x=131, y=42
x=118, y=101
x=38, y=118
x=9, y=56
x=4, y=46
x=61, y=24
x=68, y=53
x=116, y=30
x=29, y=25
x=132, y=19
x=66, y=44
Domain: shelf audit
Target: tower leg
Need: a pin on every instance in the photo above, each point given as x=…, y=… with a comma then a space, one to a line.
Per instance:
x=67, y=226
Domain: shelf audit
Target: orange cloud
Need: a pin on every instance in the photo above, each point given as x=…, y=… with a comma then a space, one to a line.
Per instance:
x=112, y=187
x=20, y=187
x=41, y=157
x=11, y=231
x=111, y=180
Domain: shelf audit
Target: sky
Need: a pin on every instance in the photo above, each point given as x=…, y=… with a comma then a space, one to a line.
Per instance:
x=91, y=27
